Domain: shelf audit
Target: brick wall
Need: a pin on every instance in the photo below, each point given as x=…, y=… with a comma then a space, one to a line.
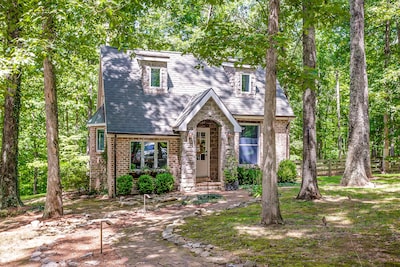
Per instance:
x=123, y=155
x=97, y=162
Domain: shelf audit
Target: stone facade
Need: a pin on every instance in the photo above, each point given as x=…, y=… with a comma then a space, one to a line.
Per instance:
x=146, y=72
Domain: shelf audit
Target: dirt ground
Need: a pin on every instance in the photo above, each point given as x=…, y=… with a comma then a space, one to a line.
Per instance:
x=131, y=236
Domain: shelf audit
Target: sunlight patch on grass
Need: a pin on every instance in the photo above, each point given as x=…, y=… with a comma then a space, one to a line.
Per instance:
x=362, y=227
x=270, y=234
x=339, y=219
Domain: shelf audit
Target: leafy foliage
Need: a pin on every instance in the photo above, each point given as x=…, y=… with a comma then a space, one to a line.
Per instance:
x=287, y=172
x=164, y=182
x=248, y=175
x=230, y=170
x=124, y=184
x=145, y=184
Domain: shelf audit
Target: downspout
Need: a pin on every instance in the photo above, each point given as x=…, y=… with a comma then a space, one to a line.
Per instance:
x=115, y=166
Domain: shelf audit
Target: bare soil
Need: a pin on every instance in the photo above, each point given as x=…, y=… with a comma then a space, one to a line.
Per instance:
x=131, y=236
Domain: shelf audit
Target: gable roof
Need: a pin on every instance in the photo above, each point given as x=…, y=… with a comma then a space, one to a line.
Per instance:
x=98, y=117
x=127, y=109
x=195, y=105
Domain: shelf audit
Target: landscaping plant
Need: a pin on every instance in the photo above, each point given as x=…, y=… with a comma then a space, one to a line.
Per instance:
x=145, y=184
x=287, y=171
x=124, y=184
x=164, y=183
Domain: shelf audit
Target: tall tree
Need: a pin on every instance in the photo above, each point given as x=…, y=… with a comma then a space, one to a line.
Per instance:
x=358, y=167
x=54, y=204
x=386, y=140
x=309, y=186
x=271, y=213
x=9, y=191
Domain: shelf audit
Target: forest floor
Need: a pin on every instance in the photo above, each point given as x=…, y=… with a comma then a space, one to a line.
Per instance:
x=131, y=235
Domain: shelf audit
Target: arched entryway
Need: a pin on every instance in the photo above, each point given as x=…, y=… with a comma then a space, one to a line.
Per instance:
x=207, y=151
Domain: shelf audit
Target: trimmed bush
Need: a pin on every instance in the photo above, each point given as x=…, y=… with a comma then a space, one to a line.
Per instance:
x=124, y=184
x=287, y=171
x=249, y=175
x=164, y=183
x=145, y=184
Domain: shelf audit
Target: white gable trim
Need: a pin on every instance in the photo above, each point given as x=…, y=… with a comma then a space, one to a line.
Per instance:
x=210, y=94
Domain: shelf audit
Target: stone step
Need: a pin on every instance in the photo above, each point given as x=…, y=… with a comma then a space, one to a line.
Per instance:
x=209, y=186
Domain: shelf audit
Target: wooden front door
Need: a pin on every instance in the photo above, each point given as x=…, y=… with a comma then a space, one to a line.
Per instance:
x=202, y=152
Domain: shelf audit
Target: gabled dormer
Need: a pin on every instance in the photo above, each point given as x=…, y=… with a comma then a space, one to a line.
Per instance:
x=242, y=78
x=154, y=66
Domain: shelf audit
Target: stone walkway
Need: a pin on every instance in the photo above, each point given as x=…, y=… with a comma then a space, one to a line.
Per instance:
x=147, y=239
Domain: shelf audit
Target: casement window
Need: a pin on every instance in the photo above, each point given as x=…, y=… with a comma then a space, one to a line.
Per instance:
x=249, y=150
x=148, y=154
x=100, y=140
x=155, y=77
x=246, y=83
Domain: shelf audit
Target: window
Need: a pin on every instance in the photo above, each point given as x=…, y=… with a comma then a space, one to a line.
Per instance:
x=248, y=144
x=155, y=77
x=100, y=140
x=155, y=154
x=245, y=83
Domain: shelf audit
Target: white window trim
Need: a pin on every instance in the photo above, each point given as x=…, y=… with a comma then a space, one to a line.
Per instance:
x=142, y=142
x=155, y=68
x=258, y=143
x=97, y=139
x=241, y=83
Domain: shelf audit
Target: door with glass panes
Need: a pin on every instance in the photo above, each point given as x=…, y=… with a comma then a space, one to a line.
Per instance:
x=202, y=152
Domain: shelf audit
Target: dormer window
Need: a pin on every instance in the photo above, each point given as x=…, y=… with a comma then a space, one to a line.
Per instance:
x=154, y=67
x=246, y=83
x=155, y=77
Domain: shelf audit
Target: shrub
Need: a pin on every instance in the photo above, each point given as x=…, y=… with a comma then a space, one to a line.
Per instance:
x=287, y=171
x=164, y=183
x=248, y=175
x=124, y=184
x=231, y=171
x=145, y=184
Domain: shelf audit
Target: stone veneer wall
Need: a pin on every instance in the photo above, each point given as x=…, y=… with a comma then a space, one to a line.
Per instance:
x=146, y=72
x=210, y=111
x=235, y=80
x=97, y=162
x=282, y=140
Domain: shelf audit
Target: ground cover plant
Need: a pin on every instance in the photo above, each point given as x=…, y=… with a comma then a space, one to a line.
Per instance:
x=348, y=227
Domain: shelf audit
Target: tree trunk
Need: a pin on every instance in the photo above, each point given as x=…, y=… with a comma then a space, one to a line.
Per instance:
x=271, y=213
x=9, y=191
x=339, y=140
x=358, y=162
x=386, y=140
x=53, y=206
x=309, y=186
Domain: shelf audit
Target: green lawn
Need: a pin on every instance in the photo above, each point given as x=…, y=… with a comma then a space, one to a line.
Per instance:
x=363, y=227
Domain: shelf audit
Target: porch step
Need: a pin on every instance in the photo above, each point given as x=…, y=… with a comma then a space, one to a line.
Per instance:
x=203, y=186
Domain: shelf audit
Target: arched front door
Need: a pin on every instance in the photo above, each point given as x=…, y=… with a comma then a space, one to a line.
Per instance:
x=202, y=152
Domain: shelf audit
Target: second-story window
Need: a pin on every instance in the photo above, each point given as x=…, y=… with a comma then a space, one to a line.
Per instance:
x=155, y=77
x=246, y=83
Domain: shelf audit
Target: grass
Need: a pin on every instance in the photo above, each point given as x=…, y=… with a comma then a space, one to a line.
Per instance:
x=363, y=227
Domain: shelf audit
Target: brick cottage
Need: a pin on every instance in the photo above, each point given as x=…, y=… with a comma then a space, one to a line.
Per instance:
x=166, y=110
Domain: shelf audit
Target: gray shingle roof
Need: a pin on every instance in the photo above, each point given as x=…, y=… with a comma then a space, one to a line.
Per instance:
x=196, y=103
x=129, y=110
x=98, y=117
